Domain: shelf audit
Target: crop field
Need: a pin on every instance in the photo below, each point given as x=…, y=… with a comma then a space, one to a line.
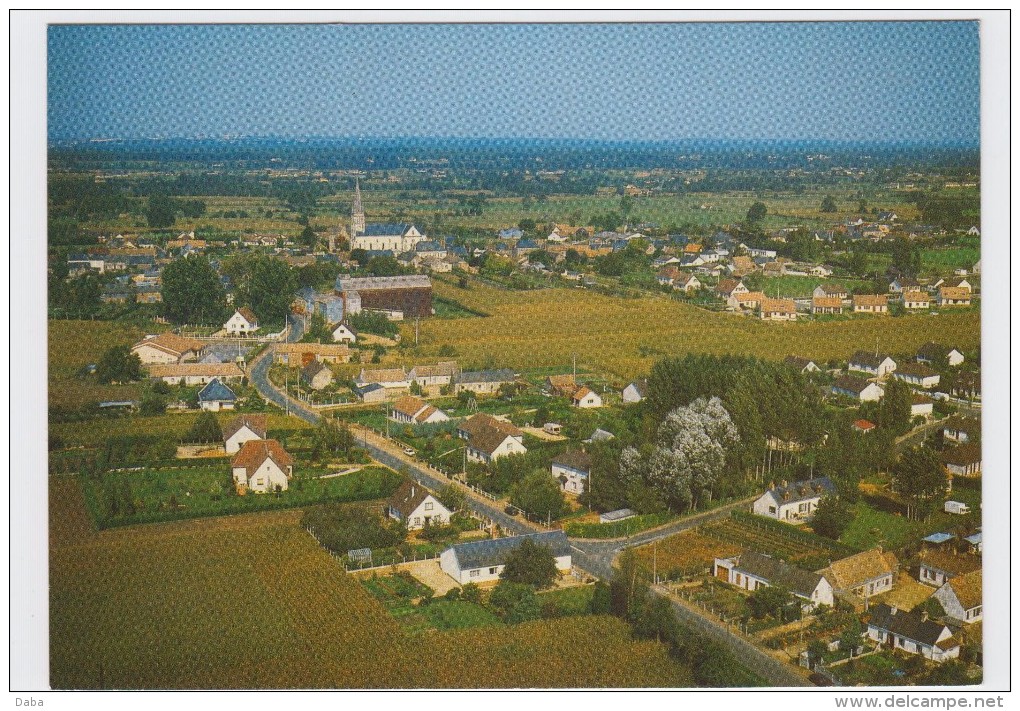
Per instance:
x=796, y=287
x=624, y=337
x=782, y=541
x=685, y=553
x=253, y=602
x=74, y=344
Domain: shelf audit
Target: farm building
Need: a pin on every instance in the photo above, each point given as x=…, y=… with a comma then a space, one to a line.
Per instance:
x=961, y=597
x=875, y=364
x=437, y=375
x=410, y=295
x=793, y=503
x=243, y=429
x=262, y=466
x=571, y=470
x=912, y=632
x=410, y=410
x=413, y=504
x=863, y=575
x=298, y=355
x=216, y=396
x=196, y=373
x=483, y=561
x=857, y=388
x=168, y=348
x=241, y=323
x=751, y=570
x=482, y=382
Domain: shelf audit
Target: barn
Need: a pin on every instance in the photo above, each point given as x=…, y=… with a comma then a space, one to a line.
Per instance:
x=411, y=295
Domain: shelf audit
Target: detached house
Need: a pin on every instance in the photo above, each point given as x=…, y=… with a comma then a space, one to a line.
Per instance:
x=912, y=632
x=871, y=304
x=834, y=291
x=410, y=410
x=793, y=503
x=802, y=365
x=342, y=333
x=489, y=438
x=635, y=391
x=961, y=597
x=937, y=567
x=483, y=561
x=749, y=300
x=216, y=396
x=317, y=375
x=262, y=466
x=863, y=575
x=751, y=571
x=953, y=296
x=915, y=300
x=877, y=365
x=482, y=382
x=778, y=310
x=857, y=388
x=585, y=398
x=413, y=504
x=963, y=460
x=933, y=353
x=241, y=323
x=961, y=429
x=730, y=287
x=571, y=470
x=821, y=305
x=390, y=378
x=243, y=429
x=168, y=348
x=917, y=374
x=921, y=405
x=433, y=376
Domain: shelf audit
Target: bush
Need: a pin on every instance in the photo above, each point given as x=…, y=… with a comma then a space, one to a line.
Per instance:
x=471, y=593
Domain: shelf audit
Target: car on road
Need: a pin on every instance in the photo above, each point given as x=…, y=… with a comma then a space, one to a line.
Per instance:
x=409, y=451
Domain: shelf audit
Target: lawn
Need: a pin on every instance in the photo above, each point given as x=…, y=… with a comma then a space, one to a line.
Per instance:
x=617, y=529
x=154, y=495
x=569, y=601
x=624, y=337
x=872, y=527
x=74, y=344
x=795, y=287
x=252, y=602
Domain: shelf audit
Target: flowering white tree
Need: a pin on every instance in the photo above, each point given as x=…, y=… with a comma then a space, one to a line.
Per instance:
x=689, y=454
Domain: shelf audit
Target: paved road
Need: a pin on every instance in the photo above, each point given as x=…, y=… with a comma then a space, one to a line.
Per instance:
x=594, y=557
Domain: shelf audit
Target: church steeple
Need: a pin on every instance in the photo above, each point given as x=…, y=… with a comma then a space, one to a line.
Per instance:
x=357, y=212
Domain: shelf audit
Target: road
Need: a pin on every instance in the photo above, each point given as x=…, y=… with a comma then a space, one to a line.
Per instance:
x=594, y=557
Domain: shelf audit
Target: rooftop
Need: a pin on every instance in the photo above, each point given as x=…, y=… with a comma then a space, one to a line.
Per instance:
x=480, y=554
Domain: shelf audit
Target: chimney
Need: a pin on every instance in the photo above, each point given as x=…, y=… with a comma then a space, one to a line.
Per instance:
x=924, y=616
x=412, y=491
x=893, y=609
x=772, y=486
x=783, y=483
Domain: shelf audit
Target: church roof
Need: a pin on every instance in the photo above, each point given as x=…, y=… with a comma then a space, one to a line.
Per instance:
x=386, y=229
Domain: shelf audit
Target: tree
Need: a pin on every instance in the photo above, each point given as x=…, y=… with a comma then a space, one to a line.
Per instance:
x=850, y=638
x=515, y=602
x=538, y=494
x=829, y=204
x=205, y=429
x=601, y=599
x=627, y=590
x=906, y=257
x=452, y=497
x=161, y=211
x=471, y=593
x=757, y=212
x=894, y=409
x=192, y=292
x=264, y=284
x=332, y=439
x=119, y=365
x=816, y=650
x=832, y=517
x=531, y=564
x=921, y=479
x=769, y=600
x=152, y=404
x=308, y=237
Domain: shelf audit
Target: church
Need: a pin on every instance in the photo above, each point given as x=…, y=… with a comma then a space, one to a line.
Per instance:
x=389, y=237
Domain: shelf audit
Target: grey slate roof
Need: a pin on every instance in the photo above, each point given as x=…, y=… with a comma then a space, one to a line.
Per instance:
x=906, y=624
x=777, y=573
x=385, y=229
x=216, y=391
x=485, y=376
x=481, y=554
x=871, y=360
x=804, y=490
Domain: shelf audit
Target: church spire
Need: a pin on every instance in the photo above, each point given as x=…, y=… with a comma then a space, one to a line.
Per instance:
x=357, y=212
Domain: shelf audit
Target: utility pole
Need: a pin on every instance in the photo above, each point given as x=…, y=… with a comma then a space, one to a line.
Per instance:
x=417, y=320
x=655, y=562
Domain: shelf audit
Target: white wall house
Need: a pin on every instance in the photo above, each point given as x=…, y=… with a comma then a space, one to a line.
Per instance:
x=416, y=506
x=793, y=503
x=635, y=392
x=262, y=466
x=961, y=598
x=489, y=445
x=864, y=574
x=858, y=389
x=912, y=632
x=167, y=348
x=918, y=375
x=243, y=429
x=409, y=410
x=875, y=364
x=241, y=323
x=571, y=471
x=751, y=571
x=586, y=398
x=483, y=561
x=342, y=333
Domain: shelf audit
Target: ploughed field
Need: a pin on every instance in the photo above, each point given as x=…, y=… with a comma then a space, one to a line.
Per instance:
x=252, y=601
x=624, y=337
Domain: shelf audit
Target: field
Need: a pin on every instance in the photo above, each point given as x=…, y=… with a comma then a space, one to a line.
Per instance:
x=624, y=337
x=797, y=287
x=73, y=345
x=872, y=527
x=686, y=553
x=253, y=602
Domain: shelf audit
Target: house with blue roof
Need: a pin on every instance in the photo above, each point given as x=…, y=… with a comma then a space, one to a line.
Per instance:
x=216, y=396
x=483, y=561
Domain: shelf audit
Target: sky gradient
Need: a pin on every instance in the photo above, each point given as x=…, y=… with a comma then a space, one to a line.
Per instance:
x=902, y=81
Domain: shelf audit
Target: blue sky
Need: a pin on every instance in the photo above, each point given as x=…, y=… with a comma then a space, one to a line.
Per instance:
x=916, y=81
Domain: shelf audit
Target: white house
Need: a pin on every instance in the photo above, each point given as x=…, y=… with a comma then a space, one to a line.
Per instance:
x=585, y=398
x=687, y=284
x=932, y=353
x=751, y=571
x=918, y=375
x=912, y=632
x=482, y=382
x=793, y=503
x=196, y=373
x=417, y=507
x=636, y=391
x=436, y=376
x=167, y=348
x=262, y=465
x=342, y=333
x=410, y=410
x=216, y=396
x=244, y=428
x=961, y=597
x=489, y=444
x=863, y=574
x=390, y=378
x=921, y=405
x=241, y=323
x=877, y=365
x=571, y=470
x=802, y=365
x=857, y=388
x=483, y=561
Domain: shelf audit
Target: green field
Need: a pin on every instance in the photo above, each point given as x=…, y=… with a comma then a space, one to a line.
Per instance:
x=624, y=337
x=252, y=602
x=796, y=287
x=74, y=344
x=871, y=527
